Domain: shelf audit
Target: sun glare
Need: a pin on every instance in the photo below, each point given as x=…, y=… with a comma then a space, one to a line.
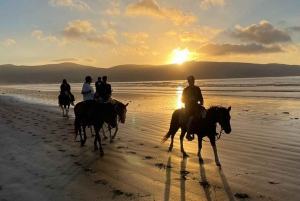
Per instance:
x=179, y=56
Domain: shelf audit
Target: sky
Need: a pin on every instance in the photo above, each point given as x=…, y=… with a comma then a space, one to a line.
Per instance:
x=106, y=33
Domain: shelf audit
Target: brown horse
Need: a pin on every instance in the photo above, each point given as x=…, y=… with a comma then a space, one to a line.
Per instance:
x=203, y=127
x=100, y=113
x=65, y=100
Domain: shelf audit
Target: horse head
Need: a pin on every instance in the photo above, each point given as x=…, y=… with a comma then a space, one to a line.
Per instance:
x=121, y=111
x=224, y=119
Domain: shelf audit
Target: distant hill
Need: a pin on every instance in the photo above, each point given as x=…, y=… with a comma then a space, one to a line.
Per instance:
x=54, y=73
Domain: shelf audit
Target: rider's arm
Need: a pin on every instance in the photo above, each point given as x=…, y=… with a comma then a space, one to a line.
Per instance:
x=200, y=97
x=85, y=89
x=183, y=97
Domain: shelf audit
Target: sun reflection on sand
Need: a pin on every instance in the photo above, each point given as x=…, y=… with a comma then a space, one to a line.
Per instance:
x=179, y=94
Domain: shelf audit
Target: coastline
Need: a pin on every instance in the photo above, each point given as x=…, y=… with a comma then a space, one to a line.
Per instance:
x=41, y=161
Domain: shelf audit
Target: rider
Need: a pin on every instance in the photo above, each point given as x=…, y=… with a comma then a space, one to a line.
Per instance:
x=65, y=87
x=97, y=85
x=105, y=90
x=88, y=97
x=190, y=97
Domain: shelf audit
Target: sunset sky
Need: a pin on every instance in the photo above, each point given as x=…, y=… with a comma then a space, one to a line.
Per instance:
x=107, y=33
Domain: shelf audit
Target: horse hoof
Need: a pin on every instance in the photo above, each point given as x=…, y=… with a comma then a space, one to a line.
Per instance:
x=218, y=164
x=185, y=155
x=170, y=149
x=95, y=148
x=82, y=143
x=201, y=160
x=105, y=138
x=111, y=141
x=101, y=153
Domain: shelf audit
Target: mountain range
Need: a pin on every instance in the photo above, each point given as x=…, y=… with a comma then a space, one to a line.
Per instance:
x=54, y=73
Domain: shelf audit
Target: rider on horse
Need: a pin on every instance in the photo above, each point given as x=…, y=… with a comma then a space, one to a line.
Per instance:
x=88, y=97
x=191, y=95
x=104, y=92
x=66, y=88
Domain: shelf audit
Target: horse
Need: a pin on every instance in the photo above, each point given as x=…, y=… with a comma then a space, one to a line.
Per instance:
x=65, y=100
x=203, y=127
x=101, y=112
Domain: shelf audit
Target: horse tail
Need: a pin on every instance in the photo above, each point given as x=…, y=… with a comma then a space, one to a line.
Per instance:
x=76, y=127
x=174, y=126
x=166, y=137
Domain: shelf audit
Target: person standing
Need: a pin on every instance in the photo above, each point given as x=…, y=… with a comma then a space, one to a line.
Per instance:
x=191, y=95
x=98, y=85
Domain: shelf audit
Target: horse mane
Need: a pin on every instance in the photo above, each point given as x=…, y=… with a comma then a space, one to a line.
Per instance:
x=216, y=107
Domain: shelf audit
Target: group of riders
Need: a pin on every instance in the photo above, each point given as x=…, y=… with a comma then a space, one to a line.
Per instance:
x=191, y=97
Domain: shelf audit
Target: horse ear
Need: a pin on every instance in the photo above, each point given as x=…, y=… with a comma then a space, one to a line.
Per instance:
x=229, y=109
x=127, y=104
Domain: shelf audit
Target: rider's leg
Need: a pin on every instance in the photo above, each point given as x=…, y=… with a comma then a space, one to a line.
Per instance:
x=189, y=135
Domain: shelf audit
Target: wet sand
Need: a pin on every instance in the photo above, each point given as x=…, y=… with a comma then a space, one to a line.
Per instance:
x=40, y=160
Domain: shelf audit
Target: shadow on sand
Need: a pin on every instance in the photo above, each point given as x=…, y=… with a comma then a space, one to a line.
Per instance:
x=226, y=185
x=168, y=180
x=203, y=178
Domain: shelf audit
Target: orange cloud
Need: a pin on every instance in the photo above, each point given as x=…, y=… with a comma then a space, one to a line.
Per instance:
x=151, y=8
x=227, y=49
x=9, y=42
x=207, y=4
x=263, y=33
x=84, y=31
x=72, y=4
x=40, y=36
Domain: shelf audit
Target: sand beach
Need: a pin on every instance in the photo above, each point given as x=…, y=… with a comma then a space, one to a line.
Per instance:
x=41, y=161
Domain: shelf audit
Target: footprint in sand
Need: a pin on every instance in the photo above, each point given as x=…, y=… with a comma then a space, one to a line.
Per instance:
x=77, y=163
x=103, y=182
x=148, y=157
x=61, y=150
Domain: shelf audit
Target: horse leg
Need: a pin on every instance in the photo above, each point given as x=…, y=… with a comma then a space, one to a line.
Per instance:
x=63, y=110
x=97, y=129
x=116, y=130
x=213, y=144
x=183, y=131
x=96, y=139
x=84, y=133
x=199, y=149
x=67, y=111
x=80, y=134
x=110, y=138
x=103, y=132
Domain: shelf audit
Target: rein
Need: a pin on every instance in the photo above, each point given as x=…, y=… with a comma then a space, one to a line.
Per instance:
x=217, y=136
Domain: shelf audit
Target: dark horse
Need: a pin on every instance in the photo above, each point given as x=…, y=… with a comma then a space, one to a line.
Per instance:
x=100, y=113
x=65, y=100
x=203, y=127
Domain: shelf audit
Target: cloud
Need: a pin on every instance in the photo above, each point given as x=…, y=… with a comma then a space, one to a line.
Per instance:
x=76, y=60
x=171, y=33
x=151, y=8
x=228, y=49
x=84, y=31
x=263, y=33
x=136, y=38
x=114, y=10
x=130, y=50
x=72, y=4
x=199, y=34
x=9, y=42
x=295, y=28
x=208, y=4
x=40, y=36
x=106, y=24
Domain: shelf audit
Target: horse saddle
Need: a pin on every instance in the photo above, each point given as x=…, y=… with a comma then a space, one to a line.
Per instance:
x=201, y=115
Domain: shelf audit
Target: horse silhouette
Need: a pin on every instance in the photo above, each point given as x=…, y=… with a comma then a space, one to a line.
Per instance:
x=203, y=127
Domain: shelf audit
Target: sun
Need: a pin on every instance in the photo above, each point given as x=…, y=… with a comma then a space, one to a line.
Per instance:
x=179, y=56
